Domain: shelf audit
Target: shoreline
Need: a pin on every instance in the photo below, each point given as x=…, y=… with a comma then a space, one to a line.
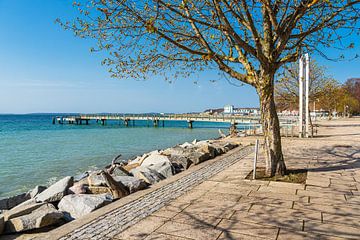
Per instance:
x=120, y=180
x=34, y=154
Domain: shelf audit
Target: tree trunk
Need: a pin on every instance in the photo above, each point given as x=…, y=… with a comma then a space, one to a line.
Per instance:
x=271, y=127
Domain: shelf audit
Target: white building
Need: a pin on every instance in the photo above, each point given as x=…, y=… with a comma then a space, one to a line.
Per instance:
x=229, y=109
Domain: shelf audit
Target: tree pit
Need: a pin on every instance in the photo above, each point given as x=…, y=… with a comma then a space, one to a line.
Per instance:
x=291, y=176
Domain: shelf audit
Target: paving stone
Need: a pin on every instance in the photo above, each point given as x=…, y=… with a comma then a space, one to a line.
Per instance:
x=278, y=220
x=142, y=229
x=161, y=236
x=336, y=230
x=285, y=234
x=226, y=235
x=202, y=232
x=278, y=211
x=347, y=220
x=330, y=195
x=199, y=219
x=266, y=201
x=281, y=185
x=327, y=190
x=279, y=190
x=248, y=228
x=215, y=196
x=171, y=209
x=331, y=209
x=288, y=197
x=318, y=182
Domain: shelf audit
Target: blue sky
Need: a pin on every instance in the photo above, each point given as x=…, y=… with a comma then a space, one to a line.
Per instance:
x=46, y=69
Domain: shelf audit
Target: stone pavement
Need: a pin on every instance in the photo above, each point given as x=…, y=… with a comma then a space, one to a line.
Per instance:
x=226, y=206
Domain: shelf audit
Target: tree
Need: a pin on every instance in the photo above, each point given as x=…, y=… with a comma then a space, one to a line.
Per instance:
x=352, y=86
x=287, y=87
x=247, y=40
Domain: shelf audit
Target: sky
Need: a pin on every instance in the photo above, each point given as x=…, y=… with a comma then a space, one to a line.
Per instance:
x=44, y=68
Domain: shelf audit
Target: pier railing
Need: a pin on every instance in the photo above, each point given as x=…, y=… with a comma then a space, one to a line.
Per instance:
x=251, y=122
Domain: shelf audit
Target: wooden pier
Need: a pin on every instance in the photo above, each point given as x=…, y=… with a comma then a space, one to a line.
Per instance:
x=158, y=120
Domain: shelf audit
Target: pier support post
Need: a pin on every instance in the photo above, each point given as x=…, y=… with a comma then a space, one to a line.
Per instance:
x=156, y=123
x=163, y=123
x=190, y=123
x=103, y=121
x=126, y=122
x=87, y=121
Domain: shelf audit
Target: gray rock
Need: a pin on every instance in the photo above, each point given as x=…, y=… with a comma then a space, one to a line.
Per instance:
x=10, y=202
x=21, y=210
x=78, y=188
x=177, y=156
x=132, y=183
x=198, y=157
x=46, y=215
x=2, y=224
x=95, y=179
x=27, y=202
x=166, y=169
x=36, y=191
x=81, y=176
x=119, y=171
x=207, y=148
x=159, y=163
x=186, y=145
x=180, y=162
x=229, y=146
x=56, y=191
x=78, y=205
x=148, y=175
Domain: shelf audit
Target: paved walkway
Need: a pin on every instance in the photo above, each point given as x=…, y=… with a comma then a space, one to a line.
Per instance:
x=226, y=206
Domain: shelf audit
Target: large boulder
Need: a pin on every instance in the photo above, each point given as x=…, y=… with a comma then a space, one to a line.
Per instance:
x=21, y=210
x=198, y=156
x=206, y=148
x=78, y=188
x=119, y=171
x=56, y=191
x=78, y=205
x=36, y=191
x=98, y=190
x=178, y=157
x=46, y=215
x=2, y=224
x=132, y=183
x=10, y=202
x=96, y=179
x=159, y=163
x=148, y=175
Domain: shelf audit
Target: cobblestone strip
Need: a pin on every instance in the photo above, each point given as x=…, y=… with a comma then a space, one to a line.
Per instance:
x=116, y=221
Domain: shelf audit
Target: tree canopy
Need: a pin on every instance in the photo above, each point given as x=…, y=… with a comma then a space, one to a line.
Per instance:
x=287, y=86
x=247, y=40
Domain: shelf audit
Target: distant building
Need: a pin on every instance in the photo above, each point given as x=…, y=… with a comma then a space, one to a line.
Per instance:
x=228, y=109
x=247, y=111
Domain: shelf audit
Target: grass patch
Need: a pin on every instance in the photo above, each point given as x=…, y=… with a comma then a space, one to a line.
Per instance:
x=291, y=176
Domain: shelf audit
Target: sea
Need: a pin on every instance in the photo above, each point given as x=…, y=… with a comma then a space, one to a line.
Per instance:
x=33, y=151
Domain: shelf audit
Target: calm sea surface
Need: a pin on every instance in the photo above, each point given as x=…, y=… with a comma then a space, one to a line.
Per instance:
x=33, y=151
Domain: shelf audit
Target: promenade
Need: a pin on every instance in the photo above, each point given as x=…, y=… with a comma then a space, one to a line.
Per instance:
x=213, y=200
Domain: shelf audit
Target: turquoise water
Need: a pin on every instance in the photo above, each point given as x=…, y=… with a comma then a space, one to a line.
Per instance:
x=33, y=151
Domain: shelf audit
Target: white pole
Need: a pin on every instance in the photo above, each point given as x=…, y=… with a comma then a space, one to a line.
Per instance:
x=255, y=157
x=307, y=81
x=301, y=94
